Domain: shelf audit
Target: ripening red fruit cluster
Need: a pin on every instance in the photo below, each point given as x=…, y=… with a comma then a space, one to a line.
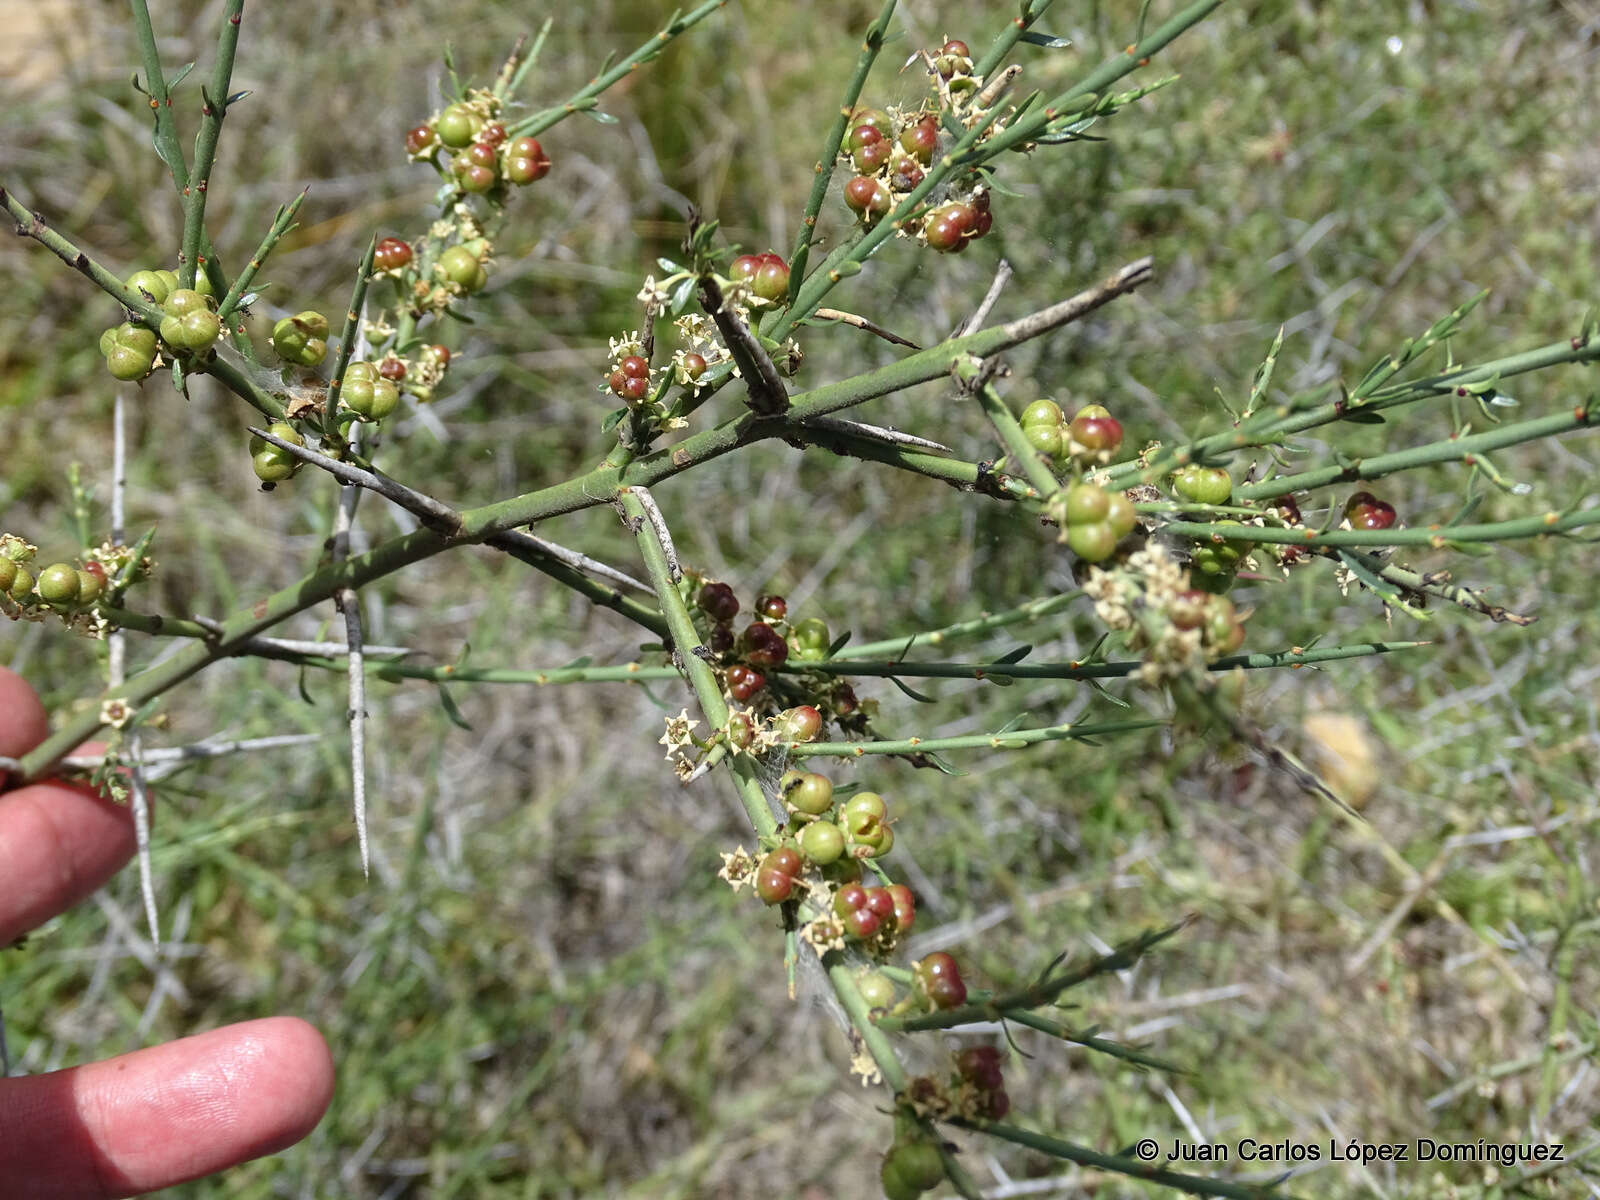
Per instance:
x=978, y=1068
x=890, y=156
x=485, y=153
x=867, y=912
x=630, y=379
x=767, y=274
x=1365, y=511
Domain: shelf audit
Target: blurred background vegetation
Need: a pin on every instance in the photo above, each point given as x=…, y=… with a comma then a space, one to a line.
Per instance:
x=543, y=990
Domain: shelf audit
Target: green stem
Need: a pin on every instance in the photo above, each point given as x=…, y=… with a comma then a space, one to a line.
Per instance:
x=347, y=342
x=1013, y=739
x=1056, y=1147
x=585, y=97
x=214, y=107
x=1002, y=46
x=689, y=652
x=871, y=44
x=966, y=476
x=1454, y=449
x=1018, y=449
x=1033, y=610
x=34, y=226
x=281, y=224
x=1438, y=536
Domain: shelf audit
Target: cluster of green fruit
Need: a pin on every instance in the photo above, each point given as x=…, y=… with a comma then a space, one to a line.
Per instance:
x=911, y=1166
x=274, y=464
x=1213, y=565
x=827, y=830
x=61, y=585
x=1093, y=435
x=1094, y=519
x=189, y=325
x=486, y=155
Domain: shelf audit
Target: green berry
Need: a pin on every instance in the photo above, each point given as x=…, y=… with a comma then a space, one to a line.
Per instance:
x=1041, y=412
x=21, y=583
x=1046, y=439
x=270, y=463
x=8, y=573
x=457, y=125
x=302, y=338
x=1093, y=542
x=822, y=842
x=151, y=284
x=58, y=584
x=1203, y=485
x=895, y=1185
x=189, y=324
x=807, y=792
x=919, y=1164
x=90, y=586
x=1086, y=504
x=462, y=268
x=127, y=364
x=1120, y=514
x=876, y=988
x=371, y=399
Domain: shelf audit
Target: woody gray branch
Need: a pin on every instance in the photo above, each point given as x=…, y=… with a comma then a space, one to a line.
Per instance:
x=766, y=394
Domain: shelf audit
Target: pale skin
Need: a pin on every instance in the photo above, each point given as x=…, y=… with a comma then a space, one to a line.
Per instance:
x=155, y=1117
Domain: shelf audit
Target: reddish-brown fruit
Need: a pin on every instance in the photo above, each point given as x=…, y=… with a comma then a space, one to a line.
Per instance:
x=392, y=369
x=390, y=254
x=635, y=367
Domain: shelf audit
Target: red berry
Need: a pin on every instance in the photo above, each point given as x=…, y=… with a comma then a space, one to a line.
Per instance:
x=921, y=140
x=392, y=369
x=474, y=178
x=954, y=46
x=95, y=569
x=694, y=365
x=764, y=645
x=744, y=267
x=941, y=980
x=981, y=1065
x=1097, y=433
x=744, y=683
x=617, y=382
x=1365, y=511
x=773, y=608
x=874, y=117
x=844, y=700
x=482, y=154
x=635, y=388
x=863, y=135
x=439, y=354
x=493, y=134
x=881, y=902
x=871, y=157
x=526, y=161
x=862, y=923
x=391, y=253
x=721, y=639
x=786, y=859
x=717, y=601
x=905, y=906
x=867, y=196
x=635, y=367
x=771, y=280
x=800, y=724
x=947, y=227
x=848, y=899
x=773, y=886
x=419, y=139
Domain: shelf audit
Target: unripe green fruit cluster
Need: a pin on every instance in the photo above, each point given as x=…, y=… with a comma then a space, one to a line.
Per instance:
x=1214, y=564
x=1095, y=520
x=828, y=832
x=189, y=324
x=129, y=350
x=301, y=339
x=462, y=267
x=60, y=585
x=272, y=464
x=158, y=285
x=367, y=393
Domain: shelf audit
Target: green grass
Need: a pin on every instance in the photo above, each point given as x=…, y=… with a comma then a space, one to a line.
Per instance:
x=543, y=991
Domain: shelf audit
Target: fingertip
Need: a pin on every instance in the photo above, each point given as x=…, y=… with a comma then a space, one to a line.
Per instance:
x=23, y=720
